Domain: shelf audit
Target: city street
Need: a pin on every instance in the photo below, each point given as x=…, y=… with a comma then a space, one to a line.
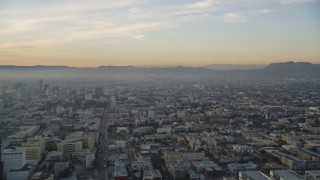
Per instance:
x=103, y=149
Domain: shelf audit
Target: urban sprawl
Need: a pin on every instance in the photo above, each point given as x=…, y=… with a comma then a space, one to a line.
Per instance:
x=172, y=129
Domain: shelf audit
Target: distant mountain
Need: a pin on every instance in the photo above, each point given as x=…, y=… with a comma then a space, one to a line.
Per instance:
x=32, y=67
x=275, y=70
x=295, y=69
x=224, y=67
x=292, y=66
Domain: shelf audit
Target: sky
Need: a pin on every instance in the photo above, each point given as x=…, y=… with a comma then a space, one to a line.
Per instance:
x=90, y=33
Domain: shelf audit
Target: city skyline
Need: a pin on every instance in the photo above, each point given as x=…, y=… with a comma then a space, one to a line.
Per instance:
x=148, y=33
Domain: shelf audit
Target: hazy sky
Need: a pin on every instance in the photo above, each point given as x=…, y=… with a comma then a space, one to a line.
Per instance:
x=158, y=32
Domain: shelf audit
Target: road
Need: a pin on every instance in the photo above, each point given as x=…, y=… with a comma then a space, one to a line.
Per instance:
x=102, y=148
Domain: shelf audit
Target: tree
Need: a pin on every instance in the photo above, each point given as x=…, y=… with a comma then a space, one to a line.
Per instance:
x=128, y=171
x=66, y=173
x=95, y=163
x=51, y=165
x=156, y=161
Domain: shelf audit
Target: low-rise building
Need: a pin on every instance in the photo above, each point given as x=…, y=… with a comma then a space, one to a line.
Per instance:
x=284, y=175
x=69, y=146
x=242, y=148
x=120, y=172
x=253, y=175
x=312, y=175
x=235, y=168
x=34, y=147
x=308, y=155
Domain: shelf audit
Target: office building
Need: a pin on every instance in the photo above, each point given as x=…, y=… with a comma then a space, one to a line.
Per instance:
x=13, y=159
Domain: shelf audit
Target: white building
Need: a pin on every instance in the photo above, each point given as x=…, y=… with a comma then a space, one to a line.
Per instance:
x=12, y=159
x=120, y=171
x=242, y=148
x=124, y=130
x=89, y=159
x=18, y=175
x=25, y=131
x=253, y=175
x=166, y=130
x=88, y=97
x=121, y=144
x=60, y=109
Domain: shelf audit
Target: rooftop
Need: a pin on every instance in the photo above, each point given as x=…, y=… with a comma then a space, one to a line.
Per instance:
x=285, y=174
x=255, y=175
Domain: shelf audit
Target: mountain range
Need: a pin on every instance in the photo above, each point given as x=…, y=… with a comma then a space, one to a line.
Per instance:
x=274, y=70
x=224, y=67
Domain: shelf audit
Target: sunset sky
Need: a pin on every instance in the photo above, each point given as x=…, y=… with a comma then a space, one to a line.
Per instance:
x=88, y=33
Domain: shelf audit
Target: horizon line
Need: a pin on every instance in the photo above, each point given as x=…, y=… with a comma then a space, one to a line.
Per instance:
x=151, y=66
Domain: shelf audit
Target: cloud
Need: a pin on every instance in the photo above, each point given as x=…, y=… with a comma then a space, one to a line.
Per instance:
x=234, y=17
x=264, y=11
x=61, y=21
x=31, y=44
x=201, y=5
x=294, y=1
x=130, y=31
x=134, y=10
x=194, y=17
x=139, y=37
x=28, y=24
x=71, y=7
